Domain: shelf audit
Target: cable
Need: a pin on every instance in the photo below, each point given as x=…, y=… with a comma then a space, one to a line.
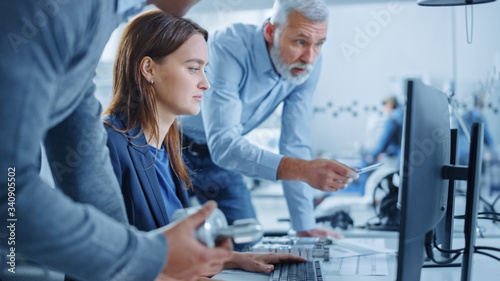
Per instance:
x=469, y=40
x=447, y=251
x=447, y=261
x=487, y=248
x=495, y=201
x=488, y=218
x=486, y=254
x=461, y=217
x=368, y=221
x=489, y=213
x=490, y=206
x=431, y=237
x=481, y=198
x=442, y=265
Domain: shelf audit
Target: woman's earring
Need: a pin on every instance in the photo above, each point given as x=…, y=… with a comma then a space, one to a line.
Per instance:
x=152, y=81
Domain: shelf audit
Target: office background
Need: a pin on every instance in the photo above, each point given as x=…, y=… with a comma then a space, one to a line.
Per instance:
x=372, y=47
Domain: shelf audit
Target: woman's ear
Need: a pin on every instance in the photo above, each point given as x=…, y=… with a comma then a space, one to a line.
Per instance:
x=269, y=32
x=147, y=68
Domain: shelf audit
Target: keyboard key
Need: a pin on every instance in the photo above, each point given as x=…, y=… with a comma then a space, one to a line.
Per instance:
x=284, y=272
x=276, y=273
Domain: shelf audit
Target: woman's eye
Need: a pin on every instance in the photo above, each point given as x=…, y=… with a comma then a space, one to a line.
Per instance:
x=193, y=69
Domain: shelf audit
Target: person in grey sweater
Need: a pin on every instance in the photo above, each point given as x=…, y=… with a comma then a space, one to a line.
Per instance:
x=50, y=50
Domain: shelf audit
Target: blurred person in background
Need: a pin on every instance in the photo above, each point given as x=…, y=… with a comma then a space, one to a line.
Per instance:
x=389, y=143
x=50, y=52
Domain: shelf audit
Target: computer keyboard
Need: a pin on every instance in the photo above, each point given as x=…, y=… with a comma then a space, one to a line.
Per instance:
x=315, y=250
x=297, y=271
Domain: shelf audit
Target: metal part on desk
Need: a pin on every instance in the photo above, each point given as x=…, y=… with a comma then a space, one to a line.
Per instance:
x=216, y=228
x=310, y=248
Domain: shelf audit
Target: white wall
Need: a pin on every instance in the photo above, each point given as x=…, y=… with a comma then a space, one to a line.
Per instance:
x=370, y=49
x=415, y=41
x=480, y=61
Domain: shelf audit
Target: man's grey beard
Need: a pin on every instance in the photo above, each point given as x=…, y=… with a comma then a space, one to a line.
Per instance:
x=286, y=70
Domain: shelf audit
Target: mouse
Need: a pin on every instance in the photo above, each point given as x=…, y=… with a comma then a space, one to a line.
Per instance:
x=340, y=219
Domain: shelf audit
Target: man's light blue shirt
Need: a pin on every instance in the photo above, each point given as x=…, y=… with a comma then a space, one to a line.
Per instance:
x=245, y=91
x=129, y=8
x=123, y=6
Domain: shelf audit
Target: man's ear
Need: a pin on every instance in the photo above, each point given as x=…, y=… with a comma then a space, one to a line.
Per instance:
x=269, y=32
x=147, y=68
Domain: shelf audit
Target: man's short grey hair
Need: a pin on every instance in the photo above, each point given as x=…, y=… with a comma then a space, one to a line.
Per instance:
x=314, y=10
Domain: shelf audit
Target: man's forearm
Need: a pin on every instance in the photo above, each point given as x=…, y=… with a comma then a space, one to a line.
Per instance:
x=322, y=174
x=291, y=169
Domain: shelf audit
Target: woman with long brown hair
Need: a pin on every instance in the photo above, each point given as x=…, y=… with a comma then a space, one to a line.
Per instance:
x=159, y=75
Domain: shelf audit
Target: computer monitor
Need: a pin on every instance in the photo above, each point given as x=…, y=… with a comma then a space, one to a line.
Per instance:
x=423, y=192
x=426, y=169
x=472, y=197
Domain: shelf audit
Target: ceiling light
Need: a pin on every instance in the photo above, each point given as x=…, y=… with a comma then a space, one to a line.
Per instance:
x=451, y=2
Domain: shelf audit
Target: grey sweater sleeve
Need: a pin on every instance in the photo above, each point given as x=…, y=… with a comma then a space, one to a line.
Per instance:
x=47, y=68
x=48, y=226
x=80, y=240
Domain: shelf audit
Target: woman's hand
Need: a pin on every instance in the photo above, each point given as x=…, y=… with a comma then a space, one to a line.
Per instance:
x=257, y=262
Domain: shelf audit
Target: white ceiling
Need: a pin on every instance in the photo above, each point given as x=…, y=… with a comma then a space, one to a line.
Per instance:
x=215, y=5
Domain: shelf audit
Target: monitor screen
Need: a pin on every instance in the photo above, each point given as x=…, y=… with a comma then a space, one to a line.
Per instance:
x=423, y=192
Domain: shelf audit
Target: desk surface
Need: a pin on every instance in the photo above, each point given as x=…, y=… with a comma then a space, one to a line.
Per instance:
x=484, y=268
x=270, y=206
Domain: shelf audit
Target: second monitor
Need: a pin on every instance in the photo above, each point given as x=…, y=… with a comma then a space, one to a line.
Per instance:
x=423, y=193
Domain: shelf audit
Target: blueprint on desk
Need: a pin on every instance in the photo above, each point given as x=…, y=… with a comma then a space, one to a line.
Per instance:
x=367, y=265
x=346, y=257
x=361, y=257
